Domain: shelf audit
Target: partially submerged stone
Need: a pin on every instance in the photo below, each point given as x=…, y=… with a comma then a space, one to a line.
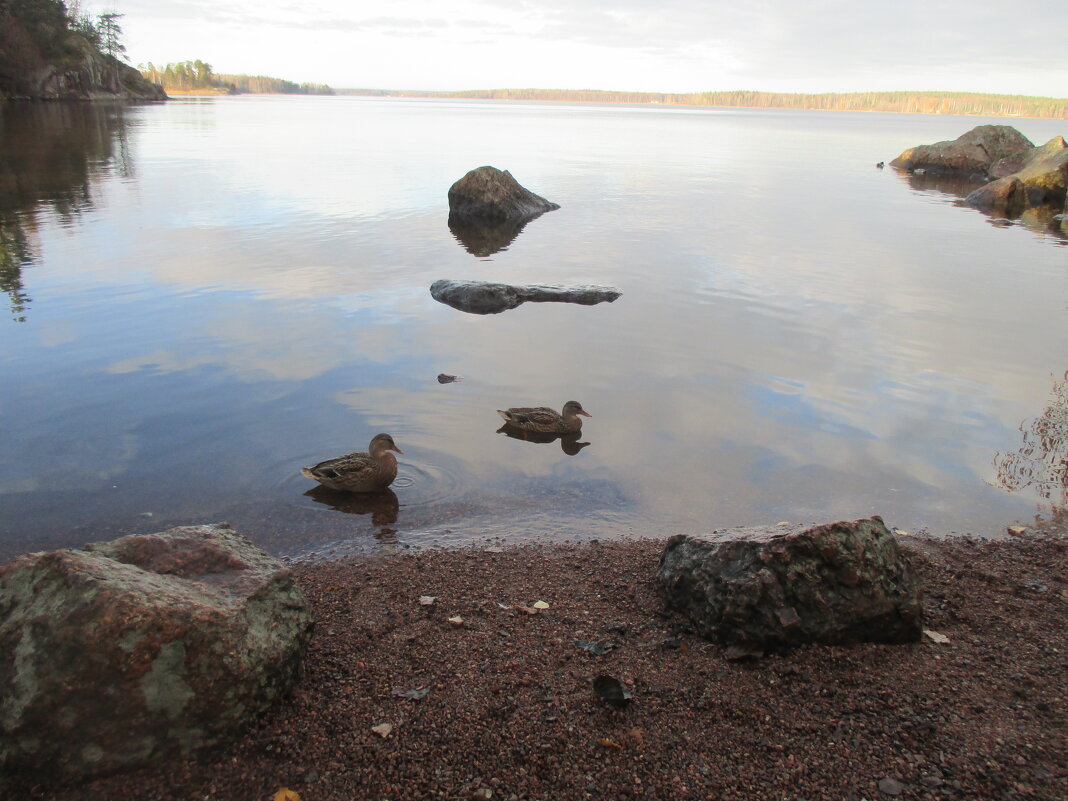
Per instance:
x=974, y=152
x=146, y=647
x=763, y=589
x=1042, y=180
x=493, y=195
x=487, y=297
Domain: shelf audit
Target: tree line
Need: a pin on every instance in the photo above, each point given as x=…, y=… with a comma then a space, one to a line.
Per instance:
x=38, y=33
x=199, y=76
x=963, y=103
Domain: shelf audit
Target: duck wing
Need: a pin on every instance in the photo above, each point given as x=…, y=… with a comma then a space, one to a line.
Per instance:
x=532, y=416
x=351, y=464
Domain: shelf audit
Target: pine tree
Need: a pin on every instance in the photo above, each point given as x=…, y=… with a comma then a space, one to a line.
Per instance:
x=110, y=31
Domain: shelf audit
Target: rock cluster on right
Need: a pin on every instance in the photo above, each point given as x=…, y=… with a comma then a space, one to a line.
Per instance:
x=1021, y=175
x=765, y=589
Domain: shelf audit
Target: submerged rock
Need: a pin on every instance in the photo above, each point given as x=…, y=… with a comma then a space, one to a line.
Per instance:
x=760, y=589
x=485, y=297
x=972, y=153
x=140, y=649
x=493, y=195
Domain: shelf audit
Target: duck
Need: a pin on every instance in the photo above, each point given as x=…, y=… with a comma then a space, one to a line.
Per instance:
x=543, y=420
x=370, y=471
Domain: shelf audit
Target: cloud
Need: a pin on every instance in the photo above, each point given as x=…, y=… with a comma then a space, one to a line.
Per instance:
x=672, y=46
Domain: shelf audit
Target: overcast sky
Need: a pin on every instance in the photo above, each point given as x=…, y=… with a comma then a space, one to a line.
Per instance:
x=652, y=45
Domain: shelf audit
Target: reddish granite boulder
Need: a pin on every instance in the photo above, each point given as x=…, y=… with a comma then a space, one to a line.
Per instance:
x=763, y=589
x=142, y=648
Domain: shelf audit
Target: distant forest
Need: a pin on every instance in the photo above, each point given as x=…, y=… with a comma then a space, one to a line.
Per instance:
x=964, y=103
x=197, y=76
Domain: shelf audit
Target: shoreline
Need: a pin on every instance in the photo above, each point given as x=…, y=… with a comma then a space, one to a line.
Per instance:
x=501, y=705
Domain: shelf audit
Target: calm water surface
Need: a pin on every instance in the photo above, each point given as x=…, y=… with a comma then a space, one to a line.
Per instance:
x=207, y=295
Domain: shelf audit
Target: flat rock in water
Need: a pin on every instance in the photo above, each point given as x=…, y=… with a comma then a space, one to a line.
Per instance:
x=763, y=589
x=141, y=649
x=485, y=297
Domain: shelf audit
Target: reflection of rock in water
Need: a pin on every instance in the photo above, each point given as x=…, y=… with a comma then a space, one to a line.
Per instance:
x=51, y=153
x=488, y=297
x=569, y=443
x=382, y=506
x=947, y=184
x=485, y=237
x=1042, y=460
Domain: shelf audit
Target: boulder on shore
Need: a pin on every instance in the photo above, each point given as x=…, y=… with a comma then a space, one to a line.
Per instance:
x=486, y=297
x=493, y=195
x=143, y=648
x=1041, y=180
x=763, y=589
x=972, y=153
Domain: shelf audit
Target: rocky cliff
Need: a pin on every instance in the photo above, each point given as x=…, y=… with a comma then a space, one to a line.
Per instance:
x=86, y=75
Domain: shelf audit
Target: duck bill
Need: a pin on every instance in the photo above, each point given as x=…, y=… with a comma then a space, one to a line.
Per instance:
x=586, y=414
x=398, y=450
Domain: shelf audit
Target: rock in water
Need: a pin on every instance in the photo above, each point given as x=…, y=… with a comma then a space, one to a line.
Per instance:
x=489, y=194
x=487, y=297
x=972, y=153
x=1041, y=180
x=143, y=648
x=768, y=589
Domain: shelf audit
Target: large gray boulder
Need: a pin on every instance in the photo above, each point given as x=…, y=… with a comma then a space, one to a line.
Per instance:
x=146, y=647
x=972, y=153
x=1041, y=180
x=764, y=589
x=490, y=195
x=487, y=297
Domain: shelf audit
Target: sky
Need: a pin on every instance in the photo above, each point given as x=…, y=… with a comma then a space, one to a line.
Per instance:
x=642, y=45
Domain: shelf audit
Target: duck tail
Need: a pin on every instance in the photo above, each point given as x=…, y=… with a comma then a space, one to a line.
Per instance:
x=307, y=471
x=504, y=415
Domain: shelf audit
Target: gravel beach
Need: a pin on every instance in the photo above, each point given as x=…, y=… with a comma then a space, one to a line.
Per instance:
x=483, y=693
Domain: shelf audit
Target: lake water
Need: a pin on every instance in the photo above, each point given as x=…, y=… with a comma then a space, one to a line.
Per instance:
x=208, y=294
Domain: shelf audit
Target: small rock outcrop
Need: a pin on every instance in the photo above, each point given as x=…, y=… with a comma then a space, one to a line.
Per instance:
x=765, y=589
x=485, y=297
x=146, y=647
x=487, y=194
x=1041, y=179
x=972, y=153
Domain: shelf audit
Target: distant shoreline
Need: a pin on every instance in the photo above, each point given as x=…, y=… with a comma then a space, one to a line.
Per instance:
x=413, y=95
x=952, y=103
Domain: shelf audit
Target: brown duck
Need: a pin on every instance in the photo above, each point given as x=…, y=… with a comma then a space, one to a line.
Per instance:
x=359, y=472
x=544, y=420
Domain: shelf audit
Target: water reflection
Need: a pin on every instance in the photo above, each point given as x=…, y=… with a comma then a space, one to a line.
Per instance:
x=1041, y=462
x=1046, y=219
x=383, y=507
x=50, y=154
x=569, y=443
x=14, y=254
x=483, y=238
